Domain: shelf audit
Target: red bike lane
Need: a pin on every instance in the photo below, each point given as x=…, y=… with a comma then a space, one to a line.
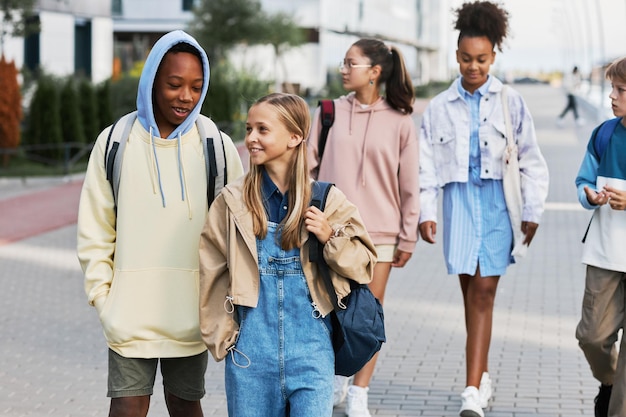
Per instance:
x=39, y=212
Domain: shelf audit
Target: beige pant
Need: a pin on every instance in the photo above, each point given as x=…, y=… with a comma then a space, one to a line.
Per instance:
x=602, y=318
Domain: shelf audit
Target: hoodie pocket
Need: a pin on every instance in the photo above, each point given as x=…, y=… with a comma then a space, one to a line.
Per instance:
x=152, y=305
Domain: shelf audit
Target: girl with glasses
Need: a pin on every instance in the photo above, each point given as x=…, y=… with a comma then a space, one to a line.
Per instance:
x=371, y=154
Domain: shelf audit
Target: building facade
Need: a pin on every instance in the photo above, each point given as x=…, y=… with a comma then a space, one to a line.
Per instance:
x=76, y=38
x=331, y=27
x=104, y=38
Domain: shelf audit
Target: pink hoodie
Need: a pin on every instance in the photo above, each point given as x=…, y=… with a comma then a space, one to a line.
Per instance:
x=372, y=155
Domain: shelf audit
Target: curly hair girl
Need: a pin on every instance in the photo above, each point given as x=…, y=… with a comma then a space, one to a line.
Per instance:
x=482, y=18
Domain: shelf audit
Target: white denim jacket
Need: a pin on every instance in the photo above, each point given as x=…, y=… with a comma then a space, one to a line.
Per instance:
x=445, y=147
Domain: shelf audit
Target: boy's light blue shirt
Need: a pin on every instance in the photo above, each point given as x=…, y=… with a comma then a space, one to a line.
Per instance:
x=604, y=240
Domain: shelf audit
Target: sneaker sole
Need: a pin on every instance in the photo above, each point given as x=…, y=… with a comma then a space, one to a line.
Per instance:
x=469, y=413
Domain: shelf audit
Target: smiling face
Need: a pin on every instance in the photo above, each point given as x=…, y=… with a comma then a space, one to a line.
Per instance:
x=177, y=90
x=475, y=56
x=267, y=139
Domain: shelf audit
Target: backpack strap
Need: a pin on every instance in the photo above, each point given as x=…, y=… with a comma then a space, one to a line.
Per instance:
x=319, y=193
x=327, y=118
x=602, y=136
x=316, y=248
x=214, y=153
x=214, y=156
x=114, y=152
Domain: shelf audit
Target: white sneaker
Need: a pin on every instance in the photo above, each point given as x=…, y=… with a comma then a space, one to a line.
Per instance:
x=356, y=404
x=485, y=390
x=470, y=403
x=340, y=389
x=560, y=122
x=580, y=121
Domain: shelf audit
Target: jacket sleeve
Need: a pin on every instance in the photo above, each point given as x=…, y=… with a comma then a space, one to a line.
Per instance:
x=533, y=167
x=96, y=226
x=587, y=176
x=408, y=180
x=234, y=167
x=217, y=323
x=429, y=187
x=350, y=251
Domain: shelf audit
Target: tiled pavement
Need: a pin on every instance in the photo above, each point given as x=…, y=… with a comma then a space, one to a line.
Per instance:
x=53, y=360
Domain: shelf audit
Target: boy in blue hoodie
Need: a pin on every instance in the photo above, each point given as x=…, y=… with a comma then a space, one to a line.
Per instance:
x=139, y=251
x=601, y=184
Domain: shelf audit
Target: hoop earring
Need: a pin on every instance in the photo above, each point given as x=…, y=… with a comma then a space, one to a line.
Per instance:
x=371, y=82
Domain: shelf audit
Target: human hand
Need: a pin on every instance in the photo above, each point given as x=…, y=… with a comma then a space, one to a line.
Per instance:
x=400, y=258
x=615, y=198
x=428, y=230
x=529, y=229
x=315, y=222
x=597, y=198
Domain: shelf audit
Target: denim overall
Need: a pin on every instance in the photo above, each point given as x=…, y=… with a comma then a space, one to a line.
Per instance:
x=288, y=368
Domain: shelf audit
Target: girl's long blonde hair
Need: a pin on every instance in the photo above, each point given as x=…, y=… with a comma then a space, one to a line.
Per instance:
x=293, y=112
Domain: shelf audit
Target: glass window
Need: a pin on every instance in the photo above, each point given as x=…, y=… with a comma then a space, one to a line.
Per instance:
x=116, y=7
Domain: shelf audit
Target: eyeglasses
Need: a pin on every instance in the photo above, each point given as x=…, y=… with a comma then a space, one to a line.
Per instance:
x=349, y=66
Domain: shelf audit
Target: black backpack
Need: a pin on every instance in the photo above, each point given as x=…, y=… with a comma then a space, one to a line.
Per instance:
x=327, y=117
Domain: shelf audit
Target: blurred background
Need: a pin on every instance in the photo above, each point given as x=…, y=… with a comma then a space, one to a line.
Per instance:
x=69, y=68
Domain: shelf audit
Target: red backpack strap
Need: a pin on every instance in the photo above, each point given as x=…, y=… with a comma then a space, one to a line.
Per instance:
x=327, y=117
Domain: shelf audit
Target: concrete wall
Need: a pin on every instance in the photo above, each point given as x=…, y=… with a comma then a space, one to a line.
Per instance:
x=56, y=43
x=101, y=49
x=56, y=39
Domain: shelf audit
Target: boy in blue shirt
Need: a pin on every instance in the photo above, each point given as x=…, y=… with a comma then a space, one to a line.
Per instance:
x=601, y=184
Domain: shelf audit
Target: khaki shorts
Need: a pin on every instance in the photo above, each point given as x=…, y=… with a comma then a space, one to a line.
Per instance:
x=133, y=377
x=385, y=252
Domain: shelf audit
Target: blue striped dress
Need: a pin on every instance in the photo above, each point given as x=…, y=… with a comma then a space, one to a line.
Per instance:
x=476, y=226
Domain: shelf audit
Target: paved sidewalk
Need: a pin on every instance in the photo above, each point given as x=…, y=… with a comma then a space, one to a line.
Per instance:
x=54, y=354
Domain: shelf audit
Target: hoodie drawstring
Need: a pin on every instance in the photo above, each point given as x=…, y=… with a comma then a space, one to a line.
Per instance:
x=156, y=172
x=364, y=148
x=183, y=177
x=155, y=169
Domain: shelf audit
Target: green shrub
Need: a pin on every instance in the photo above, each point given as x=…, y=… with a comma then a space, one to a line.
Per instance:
x=71, y=118
x=431, y=89
x=89, y=110
x=123, y=96
x=104, y=106
x=43, y=125
x=231, y=93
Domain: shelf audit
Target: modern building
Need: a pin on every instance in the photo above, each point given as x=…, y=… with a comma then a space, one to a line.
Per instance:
x=331, y=26
x=76, y=37
x=138, y=24
x=101, y=38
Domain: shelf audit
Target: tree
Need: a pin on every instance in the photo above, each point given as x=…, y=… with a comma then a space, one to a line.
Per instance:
x=10, y=108
x=221, y=24
x=282, y=33
x=18, y=19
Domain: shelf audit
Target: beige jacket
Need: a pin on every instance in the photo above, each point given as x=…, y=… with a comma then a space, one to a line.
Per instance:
x=229, y=272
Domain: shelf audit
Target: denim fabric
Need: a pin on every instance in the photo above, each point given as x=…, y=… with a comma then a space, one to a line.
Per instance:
x=287, y=346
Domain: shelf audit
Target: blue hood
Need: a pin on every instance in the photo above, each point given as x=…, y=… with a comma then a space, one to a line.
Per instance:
x=145, y=110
